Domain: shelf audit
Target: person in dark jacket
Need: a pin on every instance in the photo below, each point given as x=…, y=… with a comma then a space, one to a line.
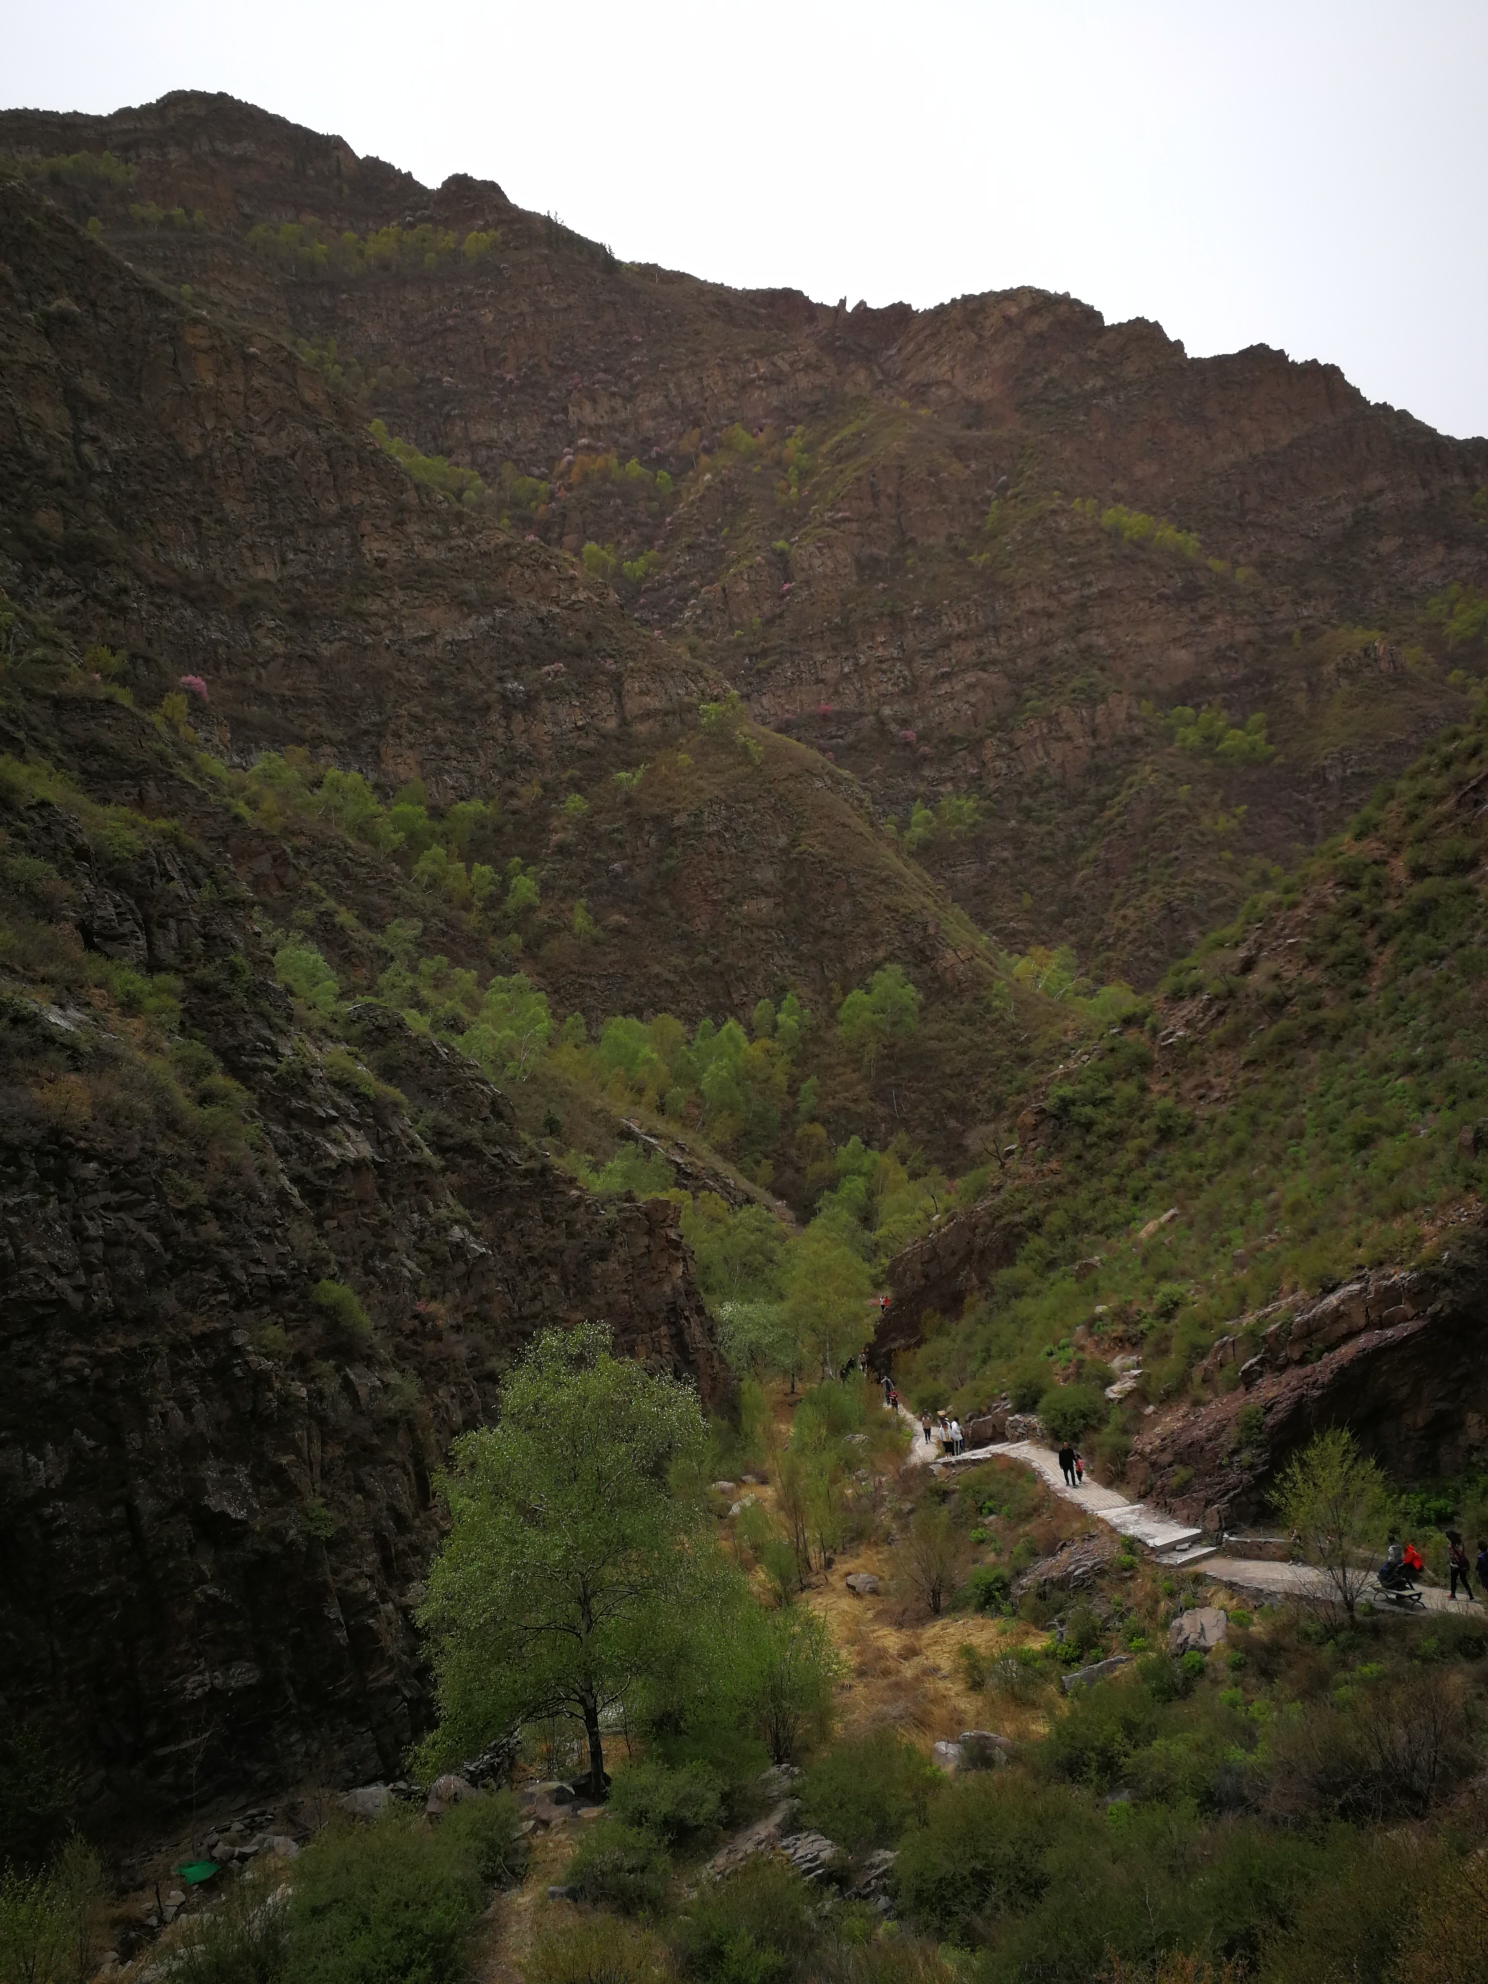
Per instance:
x=1067, y=1464
x=1457, y=1564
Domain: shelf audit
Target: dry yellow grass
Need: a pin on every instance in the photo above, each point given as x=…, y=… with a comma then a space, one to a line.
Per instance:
x=514, y=1921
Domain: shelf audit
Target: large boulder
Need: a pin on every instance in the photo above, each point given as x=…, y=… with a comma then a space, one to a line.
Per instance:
x=973, y=1749
x=1096, y=1671
x=446, y=1791
x=1197, y=1631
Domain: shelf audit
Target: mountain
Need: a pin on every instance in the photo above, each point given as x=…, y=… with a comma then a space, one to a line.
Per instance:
x=1261, y=1197
x=998, y=551
x=435, y=654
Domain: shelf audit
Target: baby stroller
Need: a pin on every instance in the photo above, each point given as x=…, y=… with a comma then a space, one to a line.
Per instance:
x=1396, y=1581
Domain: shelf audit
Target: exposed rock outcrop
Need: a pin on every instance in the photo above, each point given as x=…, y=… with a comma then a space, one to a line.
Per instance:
x=217, y=1484
x=1400, y=1358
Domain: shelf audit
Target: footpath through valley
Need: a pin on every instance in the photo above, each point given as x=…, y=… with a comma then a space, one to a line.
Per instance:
x=1177, y=1545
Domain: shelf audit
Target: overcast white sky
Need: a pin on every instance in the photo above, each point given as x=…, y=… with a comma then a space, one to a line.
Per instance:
x=1311, y=175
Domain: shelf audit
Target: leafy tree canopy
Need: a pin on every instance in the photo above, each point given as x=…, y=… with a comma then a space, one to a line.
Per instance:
x=569, y=1566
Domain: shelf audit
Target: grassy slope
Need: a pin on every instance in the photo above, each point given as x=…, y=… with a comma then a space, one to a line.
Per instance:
x=1308, y=1091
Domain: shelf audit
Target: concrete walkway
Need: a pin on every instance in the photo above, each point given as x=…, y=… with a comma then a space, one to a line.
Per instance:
x=1302, y=1581
x=1157, y=1533
x=1175, y=1544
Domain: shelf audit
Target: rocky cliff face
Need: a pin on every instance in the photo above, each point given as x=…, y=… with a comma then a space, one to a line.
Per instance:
x=1395, y=1357
x=951, y=574
x=216, y=1490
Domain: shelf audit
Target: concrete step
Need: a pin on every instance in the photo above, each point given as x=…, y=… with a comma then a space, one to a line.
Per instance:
x=1193, y=1553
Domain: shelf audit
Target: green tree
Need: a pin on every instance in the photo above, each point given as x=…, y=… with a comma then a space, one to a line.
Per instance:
x=933, y=1554
x=826, y=1299
x=512, y=1030
x=305, y=972
x=792, y=1668
x=570, y=1558
x=739, y=1255
x=1340, y=1507
x=867, y=1020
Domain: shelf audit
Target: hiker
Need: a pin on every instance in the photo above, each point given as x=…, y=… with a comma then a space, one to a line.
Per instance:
x=888, y=1386
x=1079, y=1469
x=925, y=1424
x=893, y=1398
x=958, y=1445
x=1067, y=1464
x=1412, y=1560
x=1457, y=1564
x=942, y=1432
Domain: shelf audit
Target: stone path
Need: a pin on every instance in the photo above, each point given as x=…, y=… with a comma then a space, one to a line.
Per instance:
x=919, y=1454
x=1302, y=1581
x=1175, y=1544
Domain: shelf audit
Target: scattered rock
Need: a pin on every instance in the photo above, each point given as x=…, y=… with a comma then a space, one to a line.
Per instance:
x=982, y=1749
x=447, y=1790
x=724, y=1487
x=367, y=1801
x=973, y=1749
x=1083, y=1676
x=875, y=1879
x=813, y=1855
x=761, y=1837
x=862, y=1584
x=279, y=1845
x=744, y=1502
x=1078, y=1561
x=494, y=1765
x=557, y=1893
x=1197, y=1631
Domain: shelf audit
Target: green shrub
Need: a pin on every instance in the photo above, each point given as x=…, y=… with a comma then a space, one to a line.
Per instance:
x=981, y=1851
x=483, y=1832
x=303, y=971
x=865, y=1791
x=243, y=1940
x=376, y=1903
x=1027, y=1388
x=755, y=1927
x=1067, y=1410
x=989, y=1587
x=621, y=1866
x=1093, y=1740
x=673, y=1803
x=349, y=1325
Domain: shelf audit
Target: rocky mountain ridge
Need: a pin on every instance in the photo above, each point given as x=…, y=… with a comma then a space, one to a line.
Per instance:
x=978, y=551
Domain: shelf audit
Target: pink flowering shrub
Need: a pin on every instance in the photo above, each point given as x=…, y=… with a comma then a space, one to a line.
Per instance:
x=195, y=686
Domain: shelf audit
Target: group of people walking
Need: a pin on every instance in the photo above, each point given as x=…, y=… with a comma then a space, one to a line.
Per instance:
x=1403, y=1561
x=947, y=1431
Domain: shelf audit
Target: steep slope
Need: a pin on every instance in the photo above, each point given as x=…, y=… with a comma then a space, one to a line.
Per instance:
x=196, y=498
x=1268, y=1196
x=932, y=543
x=256, y=1278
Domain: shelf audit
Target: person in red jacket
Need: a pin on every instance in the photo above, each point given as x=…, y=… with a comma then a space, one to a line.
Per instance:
x=1412, y=1559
